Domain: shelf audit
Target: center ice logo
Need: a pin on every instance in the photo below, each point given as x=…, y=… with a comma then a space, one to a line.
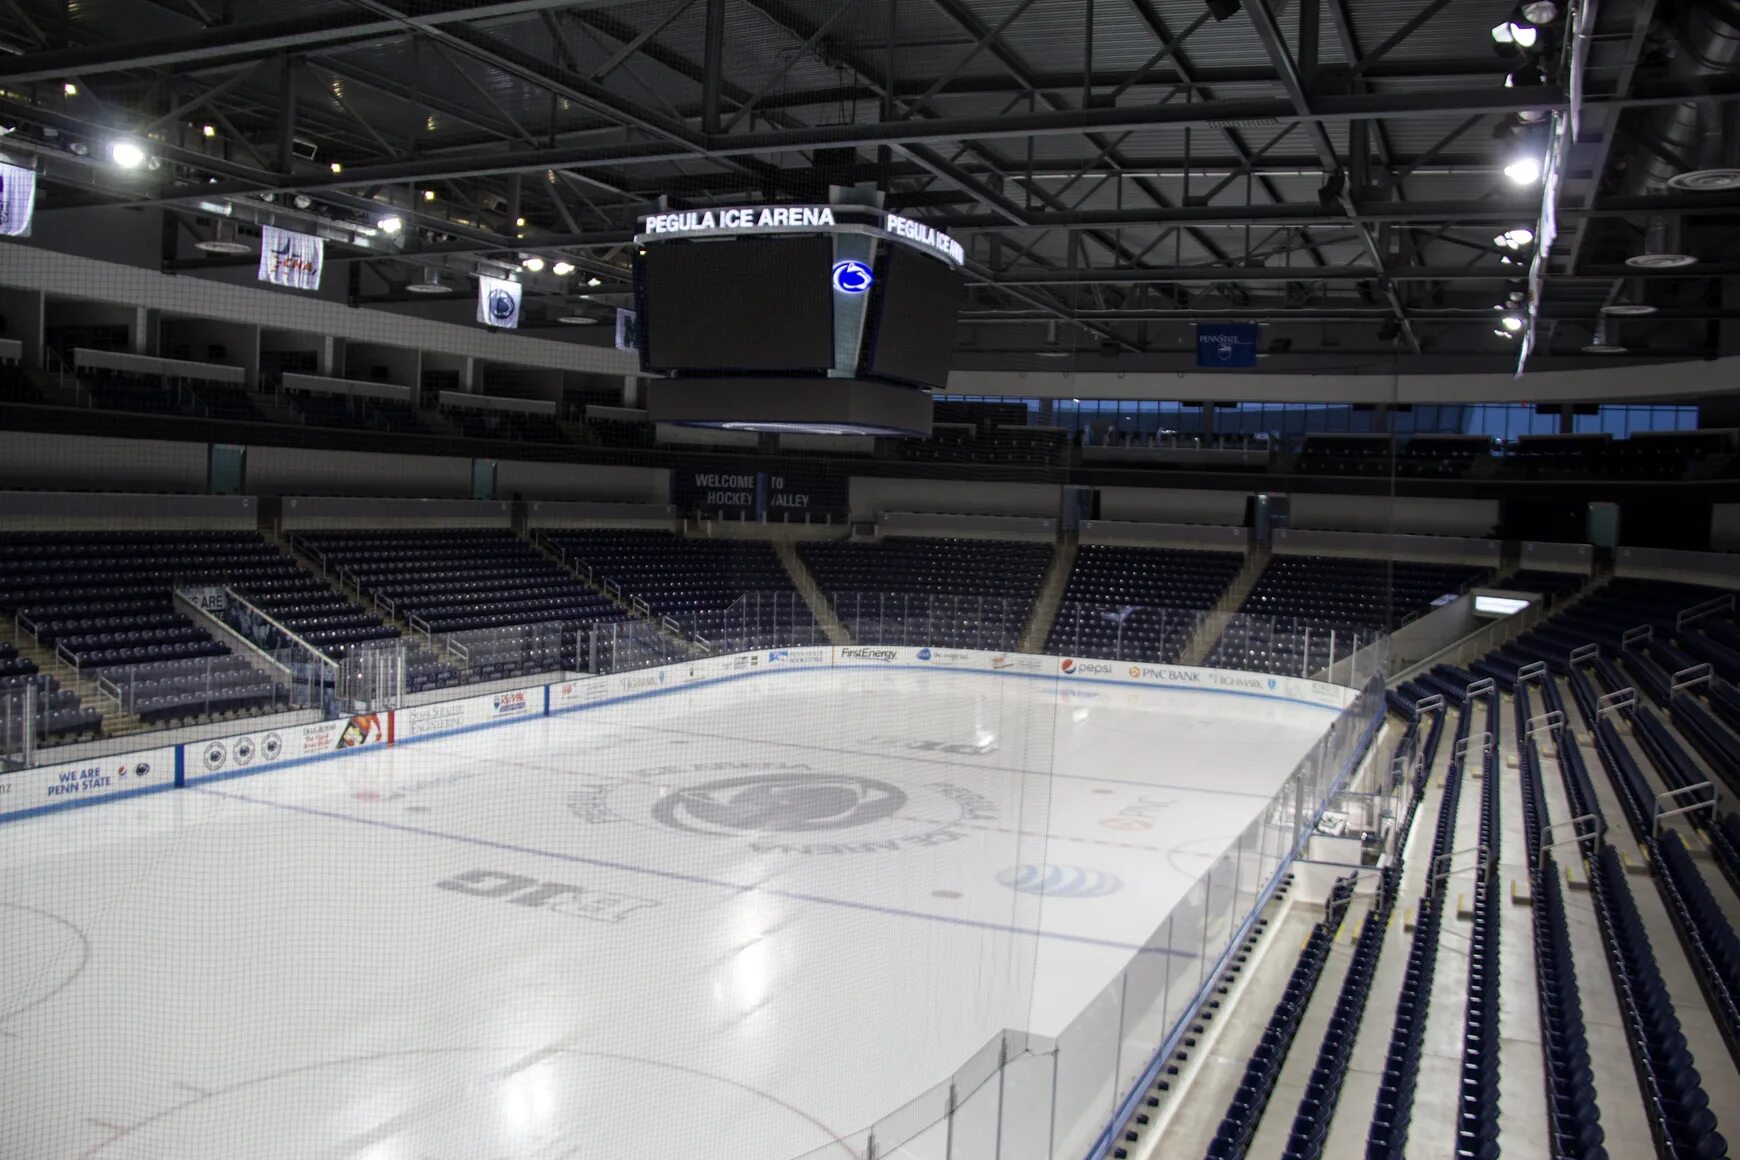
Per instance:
x=789, y=809
x=780, y=802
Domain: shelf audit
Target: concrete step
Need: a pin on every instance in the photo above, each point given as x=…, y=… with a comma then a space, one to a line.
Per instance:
x=1051, y=591
x=807, y=587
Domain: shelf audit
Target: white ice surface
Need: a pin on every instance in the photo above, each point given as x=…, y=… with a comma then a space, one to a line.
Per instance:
x=265, y=967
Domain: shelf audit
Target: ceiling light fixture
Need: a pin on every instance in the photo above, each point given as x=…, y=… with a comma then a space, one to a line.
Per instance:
x=562, y=269
x=1511, y=322
x=208, y=131
x=1540, y=11
x=431, y=284
x=391, y=224
x=1525, y=169
x=302, y=201
x=533, y=263
x=595, y=280
x=1515, y=34
x=336, y=167
x=70, y=89
x=428, y=195
x=127, y=154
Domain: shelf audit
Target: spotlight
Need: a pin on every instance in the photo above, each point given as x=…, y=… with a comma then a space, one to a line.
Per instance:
x=1511, y=322
x=520, y=222
x=533, y=263
x=595, y=280
x=70, y=89
x=391, y=224
x=302, y=201
x=1540, y=11
x=1524, y=170
x=562, y=269
x=1515, y=239
x=336, y=167
x=127, y=154
x=1515, y=34
x=428, y=195
x=1223, y=9
x=208, y=131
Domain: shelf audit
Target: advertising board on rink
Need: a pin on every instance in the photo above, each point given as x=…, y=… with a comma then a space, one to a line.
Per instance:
x=101, y=777
x=246, y=752
x=467, y=713
x=1077, y=678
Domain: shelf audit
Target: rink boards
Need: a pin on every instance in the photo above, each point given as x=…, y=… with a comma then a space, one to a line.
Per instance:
x=42, y=789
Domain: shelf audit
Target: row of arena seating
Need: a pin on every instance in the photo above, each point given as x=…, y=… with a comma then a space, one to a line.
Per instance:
x=721, y=590
x=1306, y=598
x=1642, y=765
x=56, y=714
x=354, y=412
x=1138, y=603
x=461, y=580
x=966, y=593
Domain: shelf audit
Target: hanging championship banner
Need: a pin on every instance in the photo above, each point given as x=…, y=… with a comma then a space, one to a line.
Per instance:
x=17, y=200
x=498, y=302
x=291, y=259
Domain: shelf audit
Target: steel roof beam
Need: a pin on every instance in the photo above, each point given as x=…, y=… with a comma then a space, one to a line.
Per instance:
x=259, y=38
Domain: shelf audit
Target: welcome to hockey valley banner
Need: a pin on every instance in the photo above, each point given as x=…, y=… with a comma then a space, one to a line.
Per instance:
x=498, y=302
x=291, y=259
x=17, y=200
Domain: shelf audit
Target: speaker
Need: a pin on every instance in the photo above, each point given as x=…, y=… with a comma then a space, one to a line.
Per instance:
x=1223, y=9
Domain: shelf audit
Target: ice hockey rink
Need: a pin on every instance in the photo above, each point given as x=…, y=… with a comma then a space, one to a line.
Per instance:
x=737, y=920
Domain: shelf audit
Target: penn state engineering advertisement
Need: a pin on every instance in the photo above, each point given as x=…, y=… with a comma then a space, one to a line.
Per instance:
x=246, y=752
x=85, y=781
x=469, y=713
x=290, y=259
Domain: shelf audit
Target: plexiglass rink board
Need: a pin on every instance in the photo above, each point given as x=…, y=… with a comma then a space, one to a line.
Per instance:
x=741, y=920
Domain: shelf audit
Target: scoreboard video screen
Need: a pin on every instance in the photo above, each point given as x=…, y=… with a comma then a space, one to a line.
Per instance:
x=759, y=305
x=912, y=327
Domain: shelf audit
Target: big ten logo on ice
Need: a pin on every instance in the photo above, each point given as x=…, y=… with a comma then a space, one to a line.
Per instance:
x=554, y=897
x=1070, y=667
x=508, y=704
x=1139, y=815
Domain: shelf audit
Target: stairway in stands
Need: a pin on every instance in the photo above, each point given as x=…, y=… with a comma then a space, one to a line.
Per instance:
x=807, y=587
x=1209, y=631
x=1051, y=591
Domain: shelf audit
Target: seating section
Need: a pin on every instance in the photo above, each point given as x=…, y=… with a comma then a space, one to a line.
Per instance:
x=517, y=426
x=354, y=412
x=1264, y=1066
x=103, y=603
x=1138, y=603
x=56, y=714
x=724, y=591
x=1298, y=601
x=461, y=580
x=966, y=593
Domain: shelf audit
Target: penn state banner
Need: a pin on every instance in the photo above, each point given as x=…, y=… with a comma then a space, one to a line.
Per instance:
x=498, y=301
x=17, y=200
x=288, y=258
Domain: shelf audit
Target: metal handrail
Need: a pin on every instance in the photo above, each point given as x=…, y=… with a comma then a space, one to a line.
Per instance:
x=1551, y=721
x=1616, y=702
x=1690, y=679
x=1674, y=794
x=1482, y=863
x=1698, y=611
x=1598, y=830
x=1641, y=632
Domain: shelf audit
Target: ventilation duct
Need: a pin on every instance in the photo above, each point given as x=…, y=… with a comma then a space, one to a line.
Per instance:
x=431, y=283
x=1661, y=249
x=1710, y=45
